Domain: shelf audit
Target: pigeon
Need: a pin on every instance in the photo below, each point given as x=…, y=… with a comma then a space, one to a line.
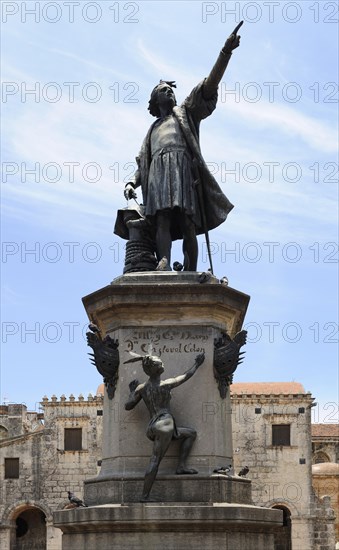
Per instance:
x=75, y=500
x=205, y=276
x=93, y=328
x=244, y=471
x=224, y=281
x=162, y=265
x=177, y=266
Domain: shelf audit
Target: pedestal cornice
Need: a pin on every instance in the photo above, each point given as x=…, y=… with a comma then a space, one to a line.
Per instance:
x=165, y=298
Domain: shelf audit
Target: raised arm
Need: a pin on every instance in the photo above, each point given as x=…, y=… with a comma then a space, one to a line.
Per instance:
x=134, y=396
x=212, y=81
x=178, y=380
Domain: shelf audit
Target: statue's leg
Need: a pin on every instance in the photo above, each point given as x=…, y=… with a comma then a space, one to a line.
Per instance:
x=163, y=239
x=163, y=430
x=188, y=436
x=190, y=244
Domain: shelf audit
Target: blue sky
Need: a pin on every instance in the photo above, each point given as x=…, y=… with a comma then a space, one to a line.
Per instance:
x=68, y=148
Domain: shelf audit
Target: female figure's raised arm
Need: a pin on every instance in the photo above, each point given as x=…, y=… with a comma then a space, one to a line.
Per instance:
x=134, y=396
x=178, y=380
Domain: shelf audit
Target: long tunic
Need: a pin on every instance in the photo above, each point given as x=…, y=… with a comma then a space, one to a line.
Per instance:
x=170, y=178
x=165, y=168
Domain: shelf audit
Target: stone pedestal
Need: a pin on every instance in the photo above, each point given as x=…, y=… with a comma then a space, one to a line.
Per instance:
x=171, y=488
x=178, y=526
x=176, y=317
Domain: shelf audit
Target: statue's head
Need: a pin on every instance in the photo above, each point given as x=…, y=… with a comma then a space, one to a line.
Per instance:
x=162, y=94
x=152, y=365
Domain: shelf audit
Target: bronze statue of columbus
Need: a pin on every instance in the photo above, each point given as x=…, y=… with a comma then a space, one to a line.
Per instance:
x=180, y=196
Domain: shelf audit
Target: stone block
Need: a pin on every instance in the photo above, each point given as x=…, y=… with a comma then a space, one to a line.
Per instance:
x=180, y=526
x=175, y=317
x=216, y=488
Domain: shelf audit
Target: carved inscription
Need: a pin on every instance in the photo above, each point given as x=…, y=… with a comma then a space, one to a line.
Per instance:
x=163, y=341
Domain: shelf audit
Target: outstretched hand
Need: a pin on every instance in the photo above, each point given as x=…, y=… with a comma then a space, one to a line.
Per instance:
x=200, y=359
x=133, y=385
x=233, y=40
x=129, y=192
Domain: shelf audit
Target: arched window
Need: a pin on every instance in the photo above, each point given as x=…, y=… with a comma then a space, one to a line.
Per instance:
x=282, y=537
x=320, y=457
x=3, y=432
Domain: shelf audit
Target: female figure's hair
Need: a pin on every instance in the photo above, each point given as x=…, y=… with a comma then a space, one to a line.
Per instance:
x=148, y=362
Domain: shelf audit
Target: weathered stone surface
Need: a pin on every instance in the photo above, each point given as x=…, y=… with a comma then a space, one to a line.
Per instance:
x=46, y=470
x=60, y=471
x=179, y=526
x=157, y=299
x=175, y=317
x=325, y=478
x=217, y=488
x=279, y=477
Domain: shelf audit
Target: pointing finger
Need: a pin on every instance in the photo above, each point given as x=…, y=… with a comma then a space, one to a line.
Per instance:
x=237, y=27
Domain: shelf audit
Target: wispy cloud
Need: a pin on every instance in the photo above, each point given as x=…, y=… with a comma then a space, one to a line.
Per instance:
x=10, y=297
x=283, y=119
x=79, y=132
x=89, y=63
x=286, y=120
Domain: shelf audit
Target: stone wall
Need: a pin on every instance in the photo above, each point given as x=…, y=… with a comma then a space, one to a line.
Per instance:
x=281, y=475
x=324, y=529
x=15, y=420
x=325, y=477
x=46, y=470
x=325, y=442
